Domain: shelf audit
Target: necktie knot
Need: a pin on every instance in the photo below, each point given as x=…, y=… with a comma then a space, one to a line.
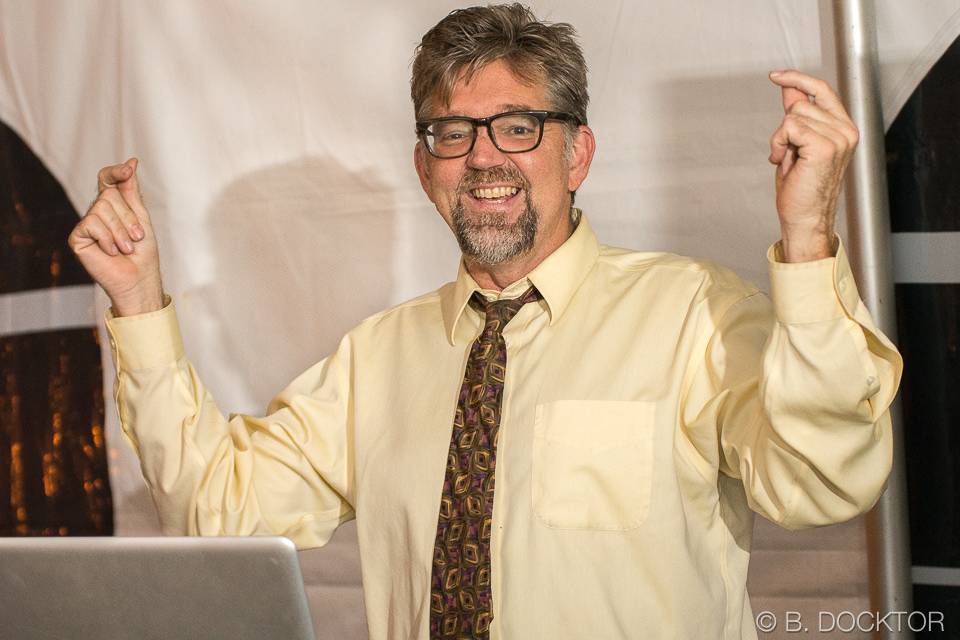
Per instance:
x=499, y=312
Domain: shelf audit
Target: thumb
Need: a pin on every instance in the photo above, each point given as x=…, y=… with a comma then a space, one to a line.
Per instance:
x=131, y=185
x=130, y=190
x=791, y=96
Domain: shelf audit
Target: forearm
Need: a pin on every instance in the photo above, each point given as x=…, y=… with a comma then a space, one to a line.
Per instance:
x=210, y=475
x=817, y=449
x=794, y=397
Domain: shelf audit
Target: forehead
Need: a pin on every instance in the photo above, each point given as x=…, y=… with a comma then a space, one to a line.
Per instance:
x=493, y=89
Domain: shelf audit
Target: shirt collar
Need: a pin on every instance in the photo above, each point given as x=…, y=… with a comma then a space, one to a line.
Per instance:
x=557, y=278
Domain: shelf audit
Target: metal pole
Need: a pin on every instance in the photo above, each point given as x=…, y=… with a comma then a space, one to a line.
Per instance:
x=868, y=225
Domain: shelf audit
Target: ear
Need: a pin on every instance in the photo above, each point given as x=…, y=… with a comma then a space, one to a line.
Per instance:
x=581, y=155
x=422, y=163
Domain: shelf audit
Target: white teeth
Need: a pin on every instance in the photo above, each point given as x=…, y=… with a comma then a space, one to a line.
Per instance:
x=495, y=192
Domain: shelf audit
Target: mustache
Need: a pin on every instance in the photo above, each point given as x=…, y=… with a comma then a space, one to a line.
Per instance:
x=477, y=177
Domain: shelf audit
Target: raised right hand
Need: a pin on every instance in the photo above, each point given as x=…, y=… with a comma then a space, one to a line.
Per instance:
x=115, y=243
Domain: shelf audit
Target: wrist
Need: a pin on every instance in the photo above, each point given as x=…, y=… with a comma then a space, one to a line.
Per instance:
x=142, y=300
x=804, y=245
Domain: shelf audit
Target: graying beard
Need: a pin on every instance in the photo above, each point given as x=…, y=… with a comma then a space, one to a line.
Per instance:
x=510, y=240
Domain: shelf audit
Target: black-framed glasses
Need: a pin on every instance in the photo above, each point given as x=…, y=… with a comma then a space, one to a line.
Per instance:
x=510, y=132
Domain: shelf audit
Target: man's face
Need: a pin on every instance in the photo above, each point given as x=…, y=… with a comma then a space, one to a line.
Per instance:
x=505, y=206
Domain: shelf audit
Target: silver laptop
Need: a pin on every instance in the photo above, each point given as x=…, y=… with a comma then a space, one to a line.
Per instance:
x=152, y=588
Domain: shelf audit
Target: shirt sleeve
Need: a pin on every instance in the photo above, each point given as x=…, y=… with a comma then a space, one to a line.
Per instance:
x=792, y=397
x=288, y=473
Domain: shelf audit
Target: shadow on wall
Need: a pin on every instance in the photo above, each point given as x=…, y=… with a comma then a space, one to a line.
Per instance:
x=724, y=178
x=697, y=183
x=302, y=252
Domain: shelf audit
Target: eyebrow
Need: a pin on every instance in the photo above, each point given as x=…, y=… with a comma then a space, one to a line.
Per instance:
x=500, y=108
x=514, y=107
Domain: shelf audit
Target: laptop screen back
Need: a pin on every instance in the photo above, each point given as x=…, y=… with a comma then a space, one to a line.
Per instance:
x=210, y=588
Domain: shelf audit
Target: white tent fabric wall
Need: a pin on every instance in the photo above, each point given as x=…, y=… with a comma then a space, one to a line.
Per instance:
x=275, y=142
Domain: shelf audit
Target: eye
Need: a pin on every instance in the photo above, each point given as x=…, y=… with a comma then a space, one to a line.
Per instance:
x=452, y=133
x=452, y=136
x=519, y=130
x=517, y=127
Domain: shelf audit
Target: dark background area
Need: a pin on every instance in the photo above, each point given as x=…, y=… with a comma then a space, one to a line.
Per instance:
x=923, y=175
x=53, y=464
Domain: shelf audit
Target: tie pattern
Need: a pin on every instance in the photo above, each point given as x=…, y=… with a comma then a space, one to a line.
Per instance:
x=460, y=584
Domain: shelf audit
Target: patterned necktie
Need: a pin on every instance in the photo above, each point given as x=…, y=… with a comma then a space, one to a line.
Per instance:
x=460, y=585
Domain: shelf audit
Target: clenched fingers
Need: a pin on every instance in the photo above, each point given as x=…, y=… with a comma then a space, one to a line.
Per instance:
x=105, y=225
x=128, y=217
x=813, y=139
x=93, y=230
x=843, y=126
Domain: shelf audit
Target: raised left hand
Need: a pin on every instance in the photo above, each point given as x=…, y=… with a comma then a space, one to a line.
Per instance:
x=811, y=149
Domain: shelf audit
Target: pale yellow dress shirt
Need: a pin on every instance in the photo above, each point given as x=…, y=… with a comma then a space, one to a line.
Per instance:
x=651, y=402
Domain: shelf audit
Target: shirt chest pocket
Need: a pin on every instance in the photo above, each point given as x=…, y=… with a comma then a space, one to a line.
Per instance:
x=592, y=464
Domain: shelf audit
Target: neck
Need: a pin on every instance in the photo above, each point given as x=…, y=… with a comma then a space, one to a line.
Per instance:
x=499, y=276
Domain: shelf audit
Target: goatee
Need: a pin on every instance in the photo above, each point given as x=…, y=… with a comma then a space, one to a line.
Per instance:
x=488, y=238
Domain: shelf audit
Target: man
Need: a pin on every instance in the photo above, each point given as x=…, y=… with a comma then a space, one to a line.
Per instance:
x=568, y=440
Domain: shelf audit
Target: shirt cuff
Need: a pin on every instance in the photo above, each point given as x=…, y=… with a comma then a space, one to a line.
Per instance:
x=147, y=340
x=812, y=291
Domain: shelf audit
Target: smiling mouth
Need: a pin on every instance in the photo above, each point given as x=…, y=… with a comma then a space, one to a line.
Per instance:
x=493, y=193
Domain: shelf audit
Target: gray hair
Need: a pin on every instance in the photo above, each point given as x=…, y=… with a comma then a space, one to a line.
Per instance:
x=469, y=39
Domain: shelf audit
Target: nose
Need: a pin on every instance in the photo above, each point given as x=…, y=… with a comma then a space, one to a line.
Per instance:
x=484, y=154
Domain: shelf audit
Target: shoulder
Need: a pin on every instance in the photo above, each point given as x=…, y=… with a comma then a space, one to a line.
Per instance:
x=420, y=312
x=669, y=272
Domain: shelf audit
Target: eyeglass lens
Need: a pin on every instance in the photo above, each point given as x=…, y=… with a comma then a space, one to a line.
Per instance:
x=513, y=133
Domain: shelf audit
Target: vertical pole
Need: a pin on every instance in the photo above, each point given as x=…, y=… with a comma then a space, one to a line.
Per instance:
x=868, y=225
